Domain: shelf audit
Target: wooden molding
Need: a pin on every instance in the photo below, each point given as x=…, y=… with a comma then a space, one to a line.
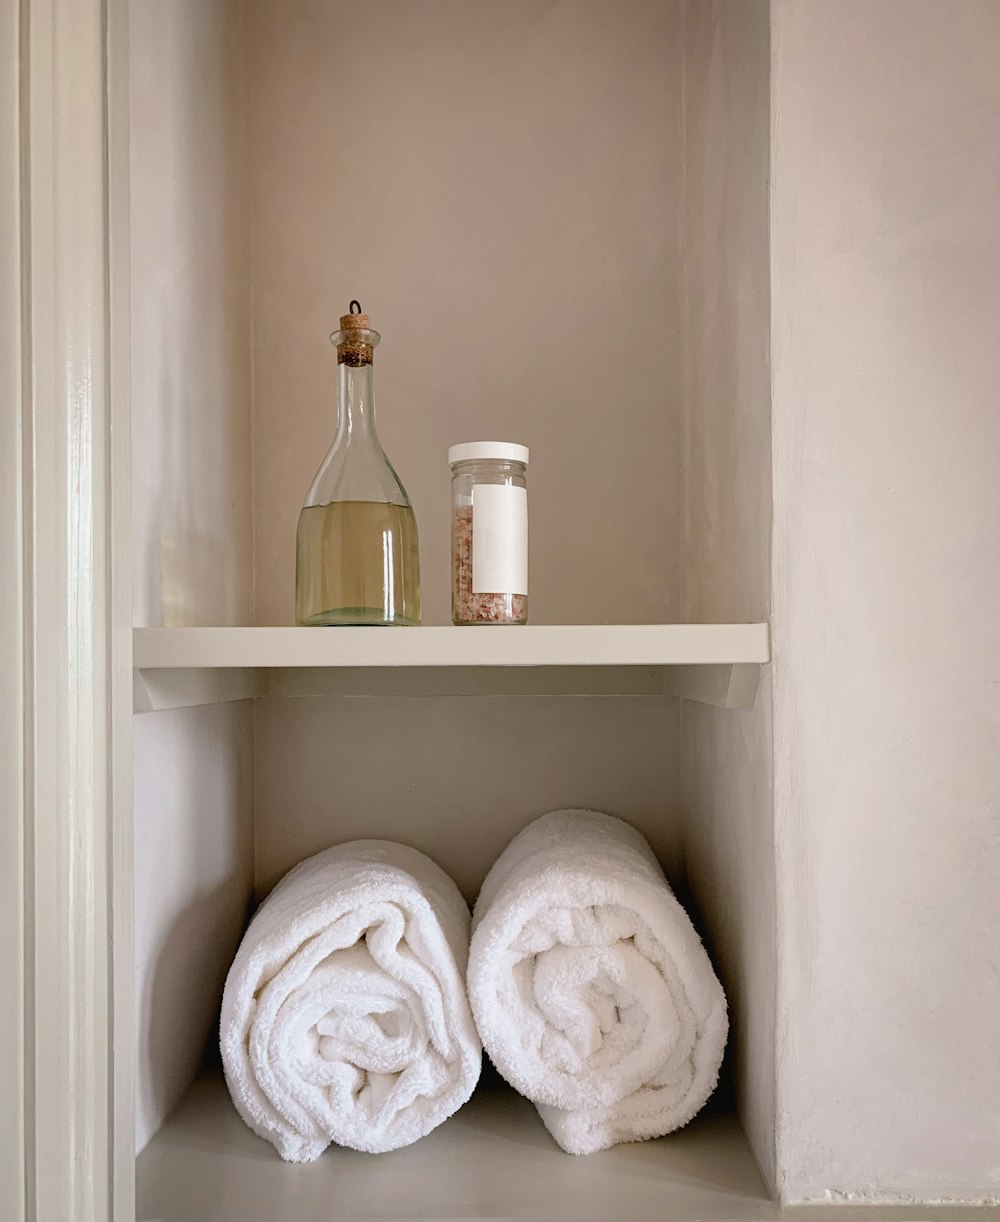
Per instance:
x=75, y=654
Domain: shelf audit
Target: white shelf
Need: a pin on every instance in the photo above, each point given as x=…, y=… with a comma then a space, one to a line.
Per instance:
x=492, y=1160
x=716, y=663
x=583, y=645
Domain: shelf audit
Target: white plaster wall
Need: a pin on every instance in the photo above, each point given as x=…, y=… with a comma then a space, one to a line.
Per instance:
x=192, y=559
x=457, y=777
x=725, y=754
x=885, y=224
x=193, y=882
x=499, y=184
x=192, y=542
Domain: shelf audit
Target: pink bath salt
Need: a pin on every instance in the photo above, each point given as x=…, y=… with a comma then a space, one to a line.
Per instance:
x=473, y=608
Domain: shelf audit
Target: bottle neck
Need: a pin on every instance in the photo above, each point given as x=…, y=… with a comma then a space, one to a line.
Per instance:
x=356, y=405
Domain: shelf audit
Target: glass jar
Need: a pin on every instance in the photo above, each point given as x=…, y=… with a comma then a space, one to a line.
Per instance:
x=489, y=533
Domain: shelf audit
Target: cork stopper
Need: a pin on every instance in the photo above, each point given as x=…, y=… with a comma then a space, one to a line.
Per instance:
x=355, y=340
x=354, y=320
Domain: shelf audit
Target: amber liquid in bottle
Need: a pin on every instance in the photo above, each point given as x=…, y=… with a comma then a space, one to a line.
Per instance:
x=357, y=558
x=357, y=562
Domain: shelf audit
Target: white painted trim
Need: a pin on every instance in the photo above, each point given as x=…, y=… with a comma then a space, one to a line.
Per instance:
x=12, y=1129
x=75, y=643
x=119, y=543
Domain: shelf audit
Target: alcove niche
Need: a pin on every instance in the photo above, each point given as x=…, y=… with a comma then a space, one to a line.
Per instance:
x=556, y=215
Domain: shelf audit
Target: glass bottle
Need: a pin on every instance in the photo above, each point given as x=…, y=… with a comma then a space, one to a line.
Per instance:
x=357, y=558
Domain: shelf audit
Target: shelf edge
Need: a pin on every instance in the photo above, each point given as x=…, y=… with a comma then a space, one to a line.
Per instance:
x=533, y=646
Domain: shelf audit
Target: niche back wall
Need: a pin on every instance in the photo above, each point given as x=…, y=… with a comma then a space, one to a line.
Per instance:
x=498, y=184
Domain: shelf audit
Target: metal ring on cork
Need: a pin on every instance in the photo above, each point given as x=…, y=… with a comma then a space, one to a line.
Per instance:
x=354, y=319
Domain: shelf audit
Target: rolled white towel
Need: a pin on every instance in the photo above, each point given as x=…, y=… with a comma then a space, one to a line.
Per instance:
x=344, y=1017
x=591, y=989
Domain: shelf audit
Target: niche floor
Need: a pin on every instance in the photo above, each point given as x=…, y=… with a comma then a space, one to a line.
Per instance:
x=493, y=1160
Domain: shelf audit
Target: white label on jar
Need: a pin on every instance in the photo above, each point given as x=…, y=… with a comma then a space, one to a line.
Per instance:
x=499, y=539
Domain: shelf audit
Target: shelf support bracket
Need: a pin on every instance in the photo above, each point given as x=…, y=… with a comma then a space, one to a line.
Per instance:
x=729, y=686
x=154, y=689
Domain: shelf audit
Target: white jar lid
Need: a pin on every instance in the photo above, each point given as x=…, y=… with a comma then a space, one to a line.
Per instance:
x=503, y=451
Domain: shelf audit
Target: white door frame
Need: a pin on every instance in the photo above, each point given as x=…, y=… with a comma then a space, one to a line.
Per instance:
x=12, y=926
x=65, y=652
